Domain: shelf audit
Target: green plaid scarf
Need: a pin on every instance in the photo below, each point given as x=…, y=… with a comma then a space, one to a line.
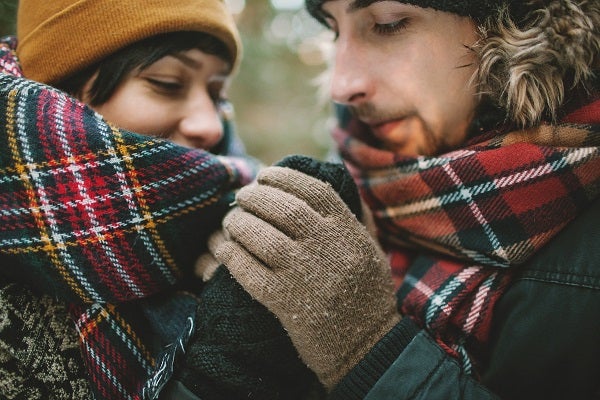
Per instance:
x=103, y=219
x=456, y=226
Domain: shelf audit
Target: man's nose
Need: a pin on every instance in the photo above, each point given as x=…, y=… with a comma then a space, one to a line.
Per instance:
x=350, y=79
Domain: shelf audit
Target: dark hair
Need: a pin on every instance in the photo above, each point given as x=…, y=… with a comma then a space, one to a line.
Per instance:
x=111, y=70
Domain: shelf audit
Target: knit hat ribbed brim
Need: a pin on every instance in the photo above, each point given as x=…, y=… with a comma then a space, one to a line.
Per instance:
x=60, y=37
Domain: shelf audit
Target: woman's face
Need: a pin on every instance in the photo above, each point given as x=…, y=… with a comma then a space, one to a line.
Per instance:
x=177, y=98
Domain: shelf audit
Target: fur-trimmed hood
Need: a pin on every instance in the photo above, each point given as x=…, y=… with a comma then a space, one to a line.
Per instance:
x=531, y=65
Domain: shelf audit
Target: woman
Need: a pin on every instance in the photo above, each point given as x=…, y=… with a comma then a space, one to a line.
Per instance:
x=101, y=223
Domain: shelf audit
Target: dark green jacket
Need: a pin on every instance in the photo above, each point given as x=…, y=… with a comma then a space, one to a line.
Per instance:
x=545, y=341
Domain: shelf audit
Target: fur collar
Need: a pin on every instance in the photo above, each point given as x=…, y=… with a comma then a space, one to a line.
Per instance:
x=532, y=65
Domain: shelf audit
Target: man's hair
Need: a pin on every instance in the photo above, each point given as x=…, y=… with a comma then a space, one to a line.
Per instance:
x=114, y=68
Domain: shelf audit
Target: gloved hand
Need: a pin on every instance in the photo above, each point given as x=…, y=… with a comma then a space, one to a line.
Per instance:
x=207, y=264
x=240, y=351
x=295, y=246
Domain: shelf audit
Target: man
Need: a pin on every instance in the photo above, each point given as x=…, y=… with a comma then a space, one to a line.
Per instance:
x=472, y=131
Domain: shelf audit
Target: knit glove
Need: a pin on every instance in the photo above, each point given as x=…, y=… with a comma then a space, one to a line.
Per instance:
x=240, y=351
x=296, y=247
x=207, y=264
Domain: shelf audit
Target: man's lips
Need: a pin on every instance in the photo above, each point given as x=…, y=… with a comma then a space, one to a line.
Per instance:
x=406, y=135
x=385, y=130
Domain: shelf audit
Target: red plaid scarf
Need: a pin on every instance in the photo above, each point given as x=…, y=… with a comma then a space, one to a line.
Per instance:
x=98, y=217
x=456, y=226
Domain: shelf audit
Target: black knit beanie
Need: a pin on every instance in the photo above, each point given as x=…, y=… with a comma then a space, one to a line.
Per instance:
x=479, y=10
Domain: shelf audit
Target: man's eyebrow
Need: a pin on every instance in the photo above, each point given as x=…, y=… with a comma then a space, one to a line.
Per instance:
x=358, y=4
x=354, y=6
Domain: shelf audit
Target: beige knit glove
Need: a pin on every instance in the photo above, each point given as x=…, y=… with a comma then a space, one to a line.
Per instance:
x=207, y=264
x=296, y=248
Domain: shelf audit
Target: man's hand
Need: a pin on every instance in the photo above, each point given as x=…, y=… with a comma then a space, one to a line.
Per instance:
x=207, y=264
x=295, y=247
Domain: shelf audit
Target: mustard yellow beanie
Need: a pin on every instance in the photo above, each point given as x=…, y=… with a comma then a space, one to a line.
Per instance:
x=60, y=37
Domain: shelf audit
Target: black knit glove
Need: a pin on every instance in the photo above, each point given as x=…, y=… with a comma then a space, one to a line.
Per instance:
x=240, y=351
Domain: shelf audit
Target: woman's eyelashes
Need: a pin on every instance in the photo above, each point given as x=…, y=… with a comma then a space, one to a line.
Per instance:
x=178, y=87
x=165, y=86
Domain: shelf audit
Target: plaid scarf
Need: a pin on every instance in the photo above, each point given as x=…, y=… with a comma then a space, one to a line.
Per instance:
x=105, y=221
x=456, y=226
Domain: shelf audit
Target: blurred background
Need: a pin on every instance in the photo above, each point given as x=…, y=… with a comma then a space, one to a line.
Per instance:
x=279, y=108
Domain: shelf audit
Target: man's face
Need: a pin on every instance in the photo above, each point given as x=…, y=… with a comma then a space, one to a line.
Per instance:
x=405, y=71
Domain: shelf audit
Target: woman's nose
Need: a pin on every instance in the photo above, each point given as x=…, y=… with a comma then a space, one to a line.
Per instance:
x=200, y=125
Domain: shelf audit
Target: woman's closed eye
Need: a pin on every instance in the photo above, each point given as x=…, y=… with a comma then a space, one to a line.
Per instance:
x=165, y=86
